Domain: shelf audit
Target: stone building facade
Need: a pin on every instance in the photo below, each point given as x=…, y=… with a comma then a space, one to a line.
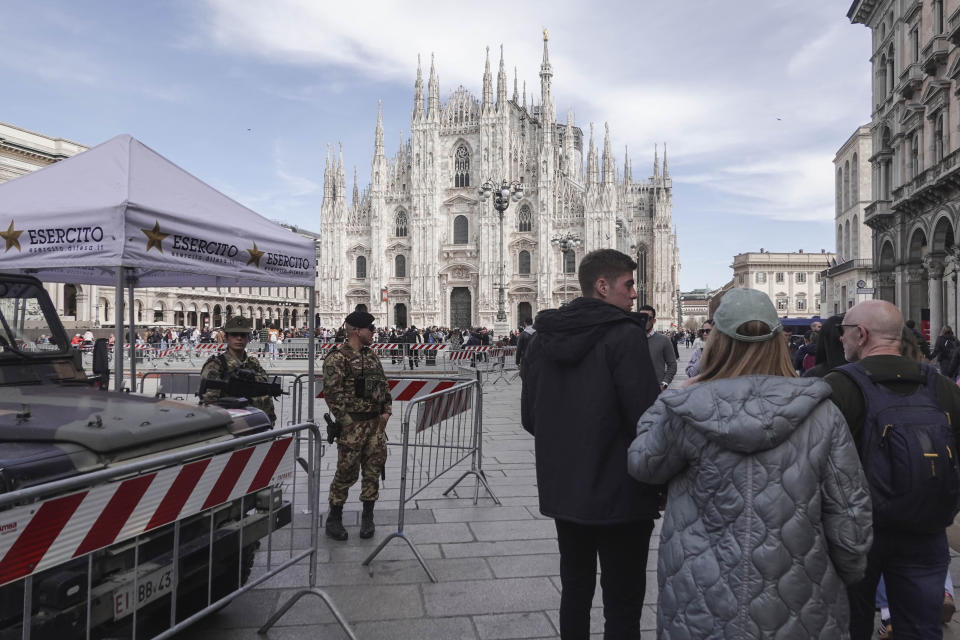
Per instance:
x=914, y=207
x=790, y=280
x=854, y=238
x=80, y=305
x=419, y=247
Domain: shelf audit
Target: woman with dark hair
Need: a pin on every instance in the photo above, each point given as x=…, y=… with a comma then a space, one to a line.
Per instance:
x=829, y=353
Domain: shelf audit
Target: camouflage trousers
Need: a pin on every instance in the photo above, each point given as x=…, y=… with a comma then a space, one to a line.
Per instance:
x=361, y=447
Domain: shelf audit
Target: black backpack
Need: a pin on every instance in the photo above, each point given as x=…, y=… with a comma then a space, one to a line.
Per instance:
x=907, y=450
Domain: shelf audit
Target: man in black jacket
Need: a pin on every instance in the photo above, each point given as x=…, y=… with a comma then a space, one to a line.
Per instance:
x=587, y=379
x=523, y=340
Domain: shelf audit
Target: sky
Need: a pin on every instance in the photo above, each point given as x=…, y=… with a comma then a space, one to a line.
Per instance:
x=753, y=98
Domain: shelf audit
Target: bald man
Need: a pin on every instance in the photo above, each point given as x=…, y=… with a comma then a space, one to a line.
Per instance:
x=914, y=565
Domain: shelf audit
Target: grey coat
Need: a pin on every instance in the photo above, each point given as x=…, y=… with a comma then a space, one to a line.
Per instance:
x=768, y=511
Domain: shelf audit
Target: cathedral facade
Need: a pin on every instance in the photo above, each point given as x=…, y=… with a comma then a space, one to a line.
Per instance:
x=419, y=246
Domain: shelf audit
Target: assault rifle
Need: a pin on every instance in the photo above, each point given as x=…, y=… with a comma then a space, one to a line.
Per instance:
x=242, y=383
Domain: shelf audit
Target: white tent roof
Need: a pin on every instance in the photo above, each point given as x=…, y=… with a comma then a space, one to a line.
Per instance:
x=121, y=204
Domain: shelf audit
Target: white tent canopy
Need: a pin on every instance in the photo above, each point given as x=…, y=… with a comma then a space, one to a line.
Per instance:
x=121, y=204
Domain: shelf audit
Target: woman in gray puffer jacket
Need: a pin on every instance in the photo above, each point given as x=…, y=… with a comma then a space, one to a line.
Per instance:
x=768, y=513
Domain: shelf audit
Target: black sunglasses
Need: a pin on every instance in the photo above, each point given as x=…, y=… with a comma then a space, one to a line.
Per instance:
x=841, y=326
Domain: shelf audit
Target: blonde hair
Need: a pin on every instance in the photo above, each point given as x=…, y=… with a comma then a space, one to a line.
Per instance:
x=724, y=357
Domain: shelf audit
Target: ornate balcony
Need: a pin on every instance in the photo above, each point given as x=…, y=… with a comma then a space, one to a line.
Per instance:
x=934, y=55
x=850, y=265
x=878, y=212
x=911, y=81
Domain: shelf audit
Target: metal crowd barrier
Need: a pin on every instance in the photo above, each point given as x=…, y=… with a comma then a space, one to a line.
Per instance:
x=445, y=430
x=147, y=548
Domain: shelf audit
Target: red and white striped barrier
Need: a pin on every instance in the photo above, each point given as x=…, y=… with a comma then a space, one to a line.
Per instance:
x=403, y=389
x=478, y=348
x=387, y=345
x=461, y=355
x=433, y=411
x=211, y=347
x=427, y=347
x=38, y=536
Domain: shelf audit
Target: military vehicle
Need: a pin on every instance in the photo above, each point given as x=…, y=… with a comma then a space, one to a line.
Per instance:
x=57, y=422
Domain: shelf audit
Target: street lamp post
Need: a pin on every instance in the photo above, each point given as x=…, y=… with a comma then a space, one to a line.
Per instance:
x=641, y=257
x=501, y=200
x=565, y=242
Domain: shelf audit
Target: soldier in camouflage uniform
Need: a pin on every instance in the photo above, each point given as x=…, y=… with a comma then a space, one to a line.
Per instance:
x=220, y=366
x=357, y=393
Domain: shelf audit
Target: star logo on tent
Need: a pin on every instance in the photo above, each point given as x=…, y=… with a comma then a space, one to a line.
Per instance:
x=154, y=237
x=12, y=236
x=255, y=255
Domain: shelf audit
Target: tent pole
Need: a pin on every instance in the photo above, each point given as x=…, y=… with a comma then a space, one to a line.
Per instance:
x=118, y=332
x=133, y=336
x=312, y=351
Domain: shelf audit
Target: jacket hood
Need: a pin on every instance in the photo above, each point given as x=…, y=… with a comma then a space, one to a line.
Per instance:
x=749, y=413
x=568, y=333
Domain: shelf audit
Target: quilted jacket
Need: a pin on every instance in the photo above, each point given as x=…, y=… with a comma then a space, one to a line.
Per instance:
x=768, y=511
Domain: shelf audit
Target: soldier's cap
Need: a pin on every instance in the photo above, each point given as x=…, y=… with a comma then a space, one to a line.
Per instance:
x=238, y=324
x=741, y=305
x=360, y=320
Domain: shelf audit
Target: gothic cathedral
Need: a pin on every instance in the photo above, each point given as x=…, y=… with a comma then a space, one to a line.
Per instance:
x=420, y=247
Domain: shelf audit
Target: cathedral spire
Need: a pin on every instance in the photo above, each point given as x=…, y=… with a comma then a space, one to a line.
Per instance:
x=378, y=135
x=487, y=86
x=666, y=171
x=591, y=161
x=516, y=94
x=627, y=169
x=501, y=84
x=568, y=146
x=341, y=178
x=608, y=168
x=524, y=95
x=433, y=112
x=418, y=93
x=356, y=188
x=656, y=162
x=546, y=75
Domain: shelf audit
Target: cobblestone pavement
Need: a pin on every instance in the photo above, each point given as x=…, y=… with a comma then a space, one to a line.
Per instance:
x=498, y=566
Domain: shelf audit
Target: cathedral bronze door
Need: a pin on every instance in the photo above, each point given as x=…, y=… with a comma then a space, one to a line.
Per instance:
x=524, y=311
x=460, y=304
x=400, y=316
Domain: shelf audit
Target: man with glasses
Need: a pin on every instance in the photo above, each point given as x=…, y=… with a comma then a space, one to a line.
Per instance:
x=913, y=562
x=357, y=393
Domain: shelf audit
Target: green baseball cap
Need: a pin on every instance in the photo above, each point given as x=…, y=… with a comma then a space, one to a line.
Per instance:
x=237, y=324
x=741, y=305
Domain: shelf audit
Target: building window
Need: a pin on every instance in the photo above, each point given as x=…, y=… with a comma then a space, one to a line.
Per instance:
x=938, y=138
x=783, y=303
x=779, y=277
x=524, y=219
x=801, y=277
x=816, y=302
x=938, y=17
x=761, y=278
x=740, y=278
x=569, y=261
x=839, y=197
x=523, y=263
x=915, y=45
x=819, y=277
x=801, y=304
x=915, y=155
x=401, y=224
x=400, y=267
x=461, y=230
x=461, y=176
x=361, y=267
x=854, y=182
x=846, y=185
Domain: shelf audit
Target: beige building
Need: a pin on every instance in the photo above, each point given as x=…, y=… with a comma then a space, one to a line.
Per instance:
x=82, y=305
x=790, y=280
x=914, y=208
x=853, y=271
x=694, y=307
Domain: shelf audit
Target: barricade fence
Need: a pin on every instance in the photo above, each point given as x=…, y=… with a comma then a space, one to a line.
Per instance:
x=148, y=547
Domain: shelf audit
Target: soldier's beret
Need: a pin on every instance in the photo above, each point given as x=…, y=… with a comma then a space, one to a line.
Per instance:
x=238, y=324
x=360, y=319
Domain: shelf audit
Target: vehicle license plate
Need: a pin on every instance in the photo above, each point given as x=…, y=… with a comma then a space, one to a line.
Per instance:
x=149, y=587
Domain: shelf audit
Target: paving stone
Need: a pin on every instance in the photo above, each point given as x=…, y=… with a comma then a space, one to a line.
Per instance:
x=545, y=564
x=403, y=571
x=357, y=551
x=503, y=548
x=516, y=530
x=460, y=628
x=514, y=625
x=474, y=597
x=379, y=602
x=481, y=514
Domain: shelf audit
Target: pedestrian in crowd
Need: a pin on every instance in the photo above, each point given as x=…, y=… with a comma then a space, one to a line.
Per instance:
x=357, y=393
x=523, y=340
x=233, y=359
x=768, y=512
x=900, y=412
x=805, y=357
x=693, y=365
x=829, y=354
x=675, y=338
x=918, y=336
x=593, y=347
x=943, y=350
x=661, y=350
x=411, y=338
x=693, y=369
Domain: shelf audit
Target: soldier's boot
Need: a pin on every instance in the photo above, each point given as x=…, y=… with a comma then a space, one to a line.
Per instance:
x=367, y=528
x=334, y=526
